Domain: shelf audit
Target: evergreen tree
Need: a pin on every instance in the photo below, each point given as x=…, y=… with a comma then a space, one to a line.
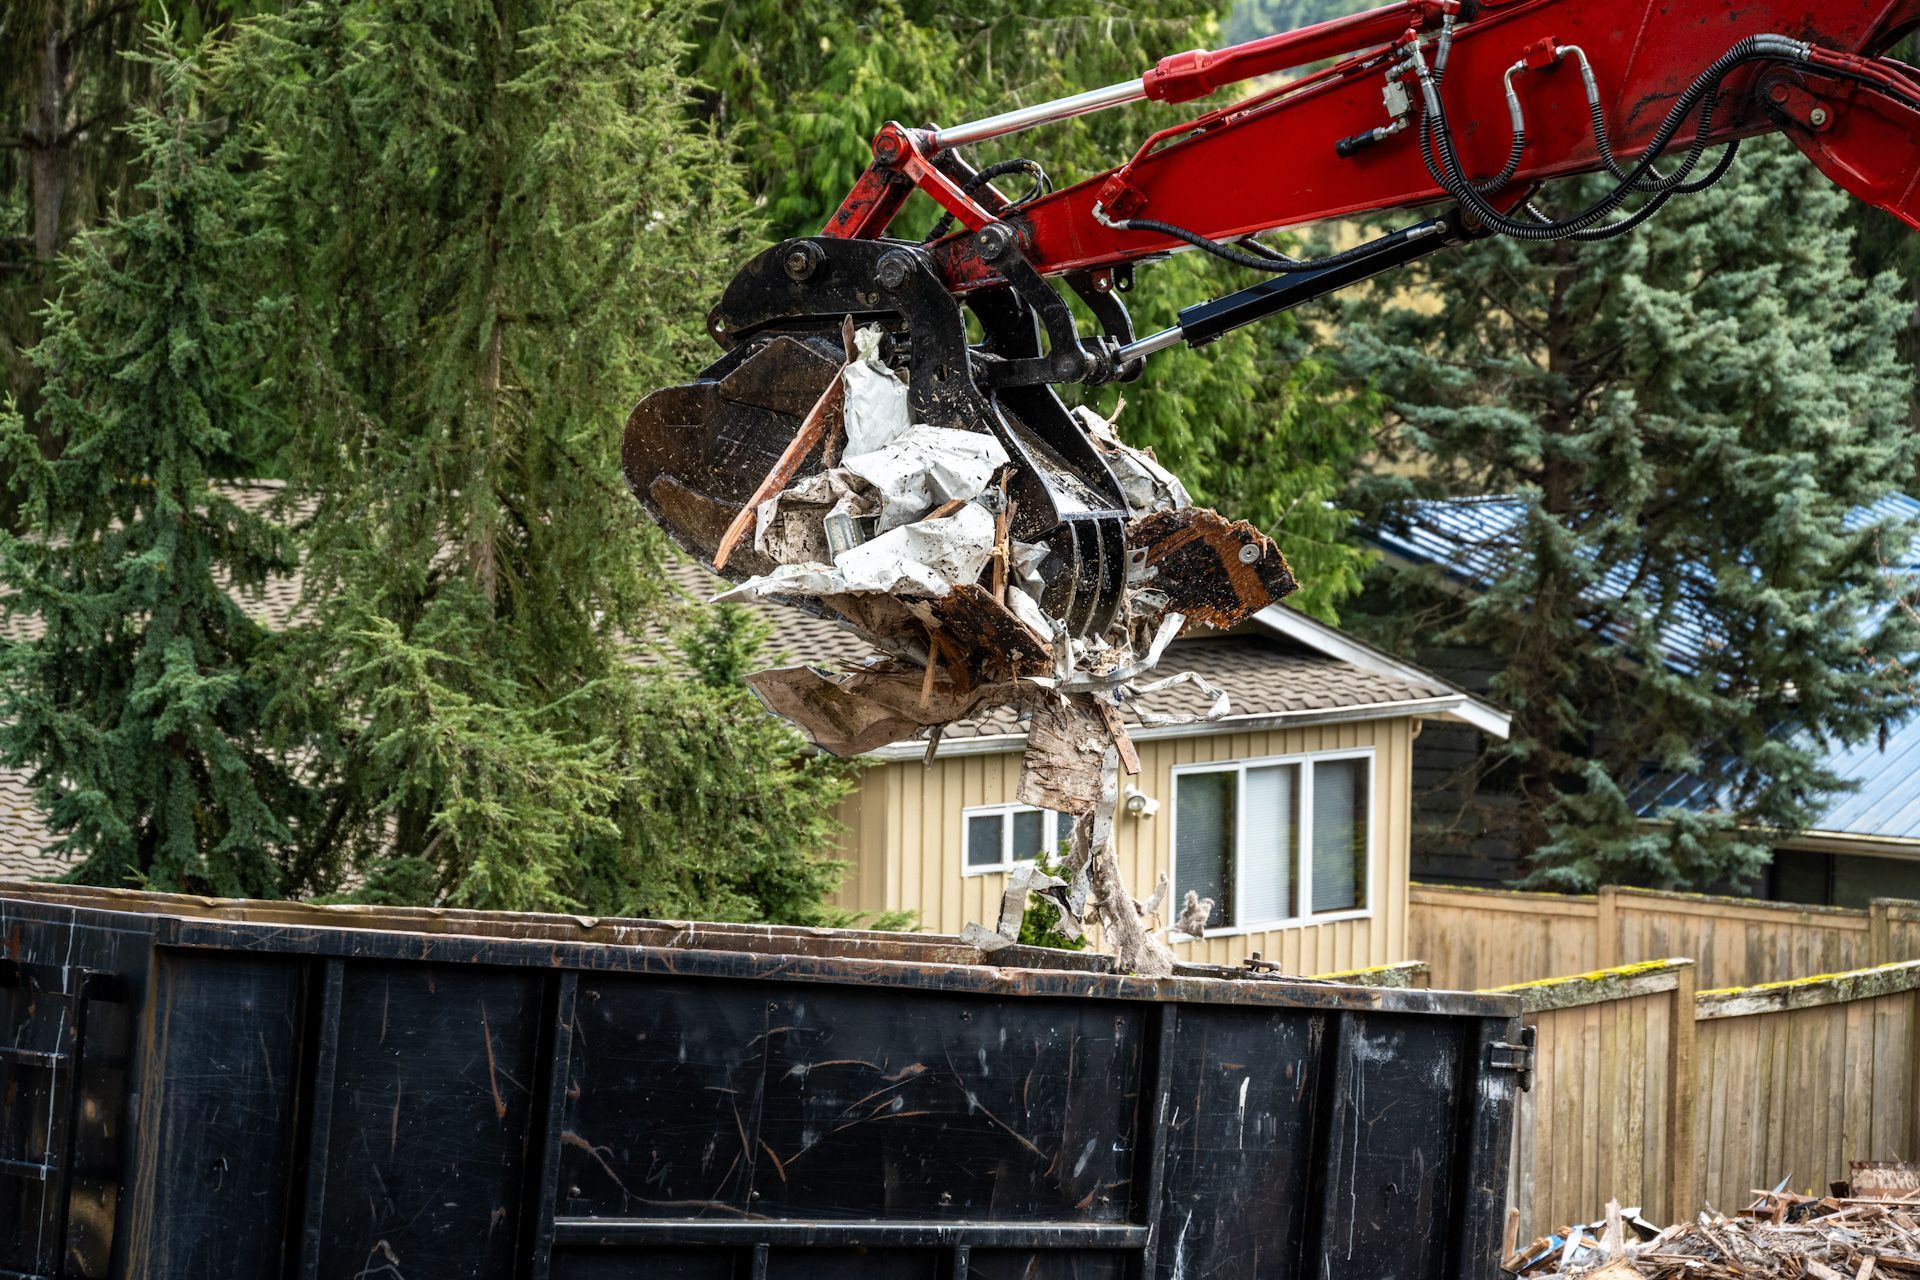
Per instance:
x=1689, y=415
x=502, y=229
x=138, y=707
x=735, y=806
x=67, y=88
x=1252, y=424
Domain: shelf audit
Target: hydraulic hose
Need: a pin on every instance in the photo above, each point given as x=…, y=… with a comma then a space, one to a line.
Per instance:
x=1443, y=162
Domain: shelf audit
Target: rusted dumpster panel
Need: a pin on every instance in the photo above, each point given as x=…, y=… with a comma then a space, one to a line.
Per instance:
x=194, y=1088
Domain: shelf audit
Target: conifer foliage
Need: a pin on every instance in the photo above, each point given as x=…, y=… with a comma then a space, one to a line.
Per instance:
x=130, y=685
x=1692, y=416
x=502, y=227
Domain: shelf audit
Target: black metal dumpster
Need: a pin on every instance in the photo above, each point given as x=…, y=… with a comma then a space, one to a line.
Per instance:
x=195, y=1088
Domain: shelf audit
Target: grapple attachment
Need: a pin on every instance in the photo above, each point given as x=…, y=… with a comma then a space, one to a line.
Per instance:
x=1034, y=552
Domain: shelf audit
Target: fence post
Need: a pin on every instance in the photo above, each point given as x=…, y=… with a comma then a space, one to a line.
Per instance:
x=1879, y=932
x=1682, y=1148
x=1606, y=928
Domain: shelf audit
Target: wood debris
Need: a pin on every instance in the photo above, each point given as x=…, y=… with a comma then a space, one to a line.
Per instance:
x=1780, y=1236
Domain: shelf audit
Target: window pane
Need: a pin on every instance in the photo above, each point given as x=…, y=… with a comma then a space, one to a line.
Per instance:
x=1029, y=833
x=1266, y=844
x=1203, y=841
x=983, y=839
x=1339, y=835
x=1857, y=879
x=1800, y=876
x=1059, y=831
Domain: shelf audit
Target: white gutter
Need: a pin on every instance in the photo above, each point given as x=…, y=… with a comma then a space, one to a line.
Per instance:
x=1447, y=707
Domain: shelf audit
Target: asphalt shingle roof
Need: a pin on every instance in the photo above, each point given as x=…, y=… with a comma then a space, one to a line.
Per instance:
x=1262, y=674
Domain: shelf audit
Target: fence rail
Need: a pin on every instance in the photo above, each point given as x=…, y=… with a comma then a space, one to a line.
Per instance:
x=1475, y=938
x=1649, y=1090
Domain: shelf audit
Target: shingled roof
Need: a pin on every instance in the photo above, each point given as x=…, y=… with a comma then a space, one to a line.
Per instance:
x=1280, y=668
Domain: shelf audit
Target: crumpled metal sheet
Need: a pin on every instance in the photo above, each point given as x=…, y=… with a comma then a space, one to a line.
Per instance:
x=1148, y=486
x=790, y=527
x=922, y=559
x=923, y=467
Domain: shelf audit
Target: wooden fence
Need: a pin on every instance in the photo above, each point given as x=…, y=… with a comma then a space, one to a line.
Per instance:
x=1476, y=938
x=1603, y=1114
x=1670, y=1099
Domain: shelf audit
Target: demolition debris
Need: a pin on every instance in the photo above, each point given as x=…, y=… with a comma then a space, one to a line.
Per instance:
x=1860, y=1231
x=904, y=534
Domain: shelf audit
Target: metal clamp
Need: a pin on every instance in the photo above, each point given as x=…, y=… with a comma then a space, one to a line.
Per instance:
x=1517, y=1058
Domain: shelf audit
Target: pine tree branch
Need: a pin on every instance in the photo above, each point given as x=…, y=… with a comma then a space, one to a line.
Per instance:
x=1528, y=327
x=70, y=134
x=98, y=20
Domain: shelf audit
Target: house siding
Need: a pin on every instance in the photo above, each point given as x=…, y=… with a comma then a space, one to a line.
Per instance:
x=905, y=845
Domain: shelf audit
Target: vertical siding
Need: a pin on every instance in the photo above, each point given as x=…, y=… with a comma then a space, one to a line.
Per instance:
x=862, y=818
x=913, y=852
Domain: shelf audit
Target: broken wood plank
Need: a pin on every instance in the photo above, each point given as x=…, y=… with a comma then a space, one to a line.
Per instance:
x=812, y=429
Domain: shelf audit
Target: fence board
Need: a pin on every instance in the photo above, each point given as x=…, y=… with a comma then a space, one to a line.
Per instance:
x=1647, y=1092
x=1477, y=938
x=1596, y=1122
x=1810, y=1075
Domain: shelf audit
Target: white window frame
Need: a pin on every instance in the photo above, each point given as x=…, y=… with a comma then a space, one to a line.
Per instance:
x=1007, y=861
x=1303, y=862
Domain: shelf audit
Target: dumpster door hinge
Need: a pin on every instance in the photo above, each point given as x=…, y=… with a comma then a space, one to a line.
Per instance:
x=1517, y=1058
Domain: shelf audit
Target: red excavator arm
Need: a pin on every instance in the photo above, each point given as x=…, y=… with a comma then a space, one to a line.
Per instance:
x=1325, y=146
x=1468, y=106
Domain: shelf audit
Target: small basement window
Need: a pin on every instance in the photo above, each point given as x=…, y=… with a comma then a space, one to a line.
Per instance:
x=1274, y=841
x=1000, y=837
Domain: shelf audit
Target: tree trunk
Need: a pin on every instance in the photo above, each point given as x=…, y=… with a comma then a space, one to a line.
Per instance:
x=46, y=139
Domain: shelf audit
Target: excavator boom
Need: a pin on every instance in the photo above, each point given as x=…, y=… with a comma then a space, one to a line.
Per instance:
x=1465, y=109
x=1326, y=145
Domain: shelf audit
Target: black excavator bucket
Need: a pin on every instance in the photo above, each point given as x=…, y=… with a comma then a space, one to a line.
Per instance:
x=696, y=455
x=703, y=456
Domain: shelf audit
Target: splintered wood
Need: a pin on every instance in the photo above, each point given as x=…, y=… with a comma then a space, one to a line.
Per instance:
x=1780, y=1235
x=1072, y=766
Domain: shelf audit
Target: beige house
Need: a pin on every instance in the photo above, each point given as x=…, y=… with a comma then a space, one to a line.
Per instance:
x=1292, y=812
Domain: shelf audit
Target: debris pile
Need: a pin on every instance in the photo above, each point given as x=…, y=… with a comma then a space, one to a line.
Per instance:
x=1844, y=1236
x=905, y=534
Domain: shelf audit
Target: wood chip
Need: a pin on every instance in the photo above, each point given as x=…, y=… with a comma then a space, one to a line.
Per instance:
x=1778, y=1236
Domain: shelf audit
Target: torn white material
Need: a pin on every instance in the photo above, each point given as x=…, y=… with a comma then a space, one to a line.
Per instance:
x=1024, y=607
x=1146, y=485
x=1119, y=677
x=921, y=467
x=921, y=559
x=1153, y=720
x=876, y=400
x=790, y=527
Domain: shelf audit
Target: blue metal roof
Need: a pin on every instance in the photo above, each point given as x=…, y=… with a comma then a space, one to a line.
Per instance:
x=1470, y=539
